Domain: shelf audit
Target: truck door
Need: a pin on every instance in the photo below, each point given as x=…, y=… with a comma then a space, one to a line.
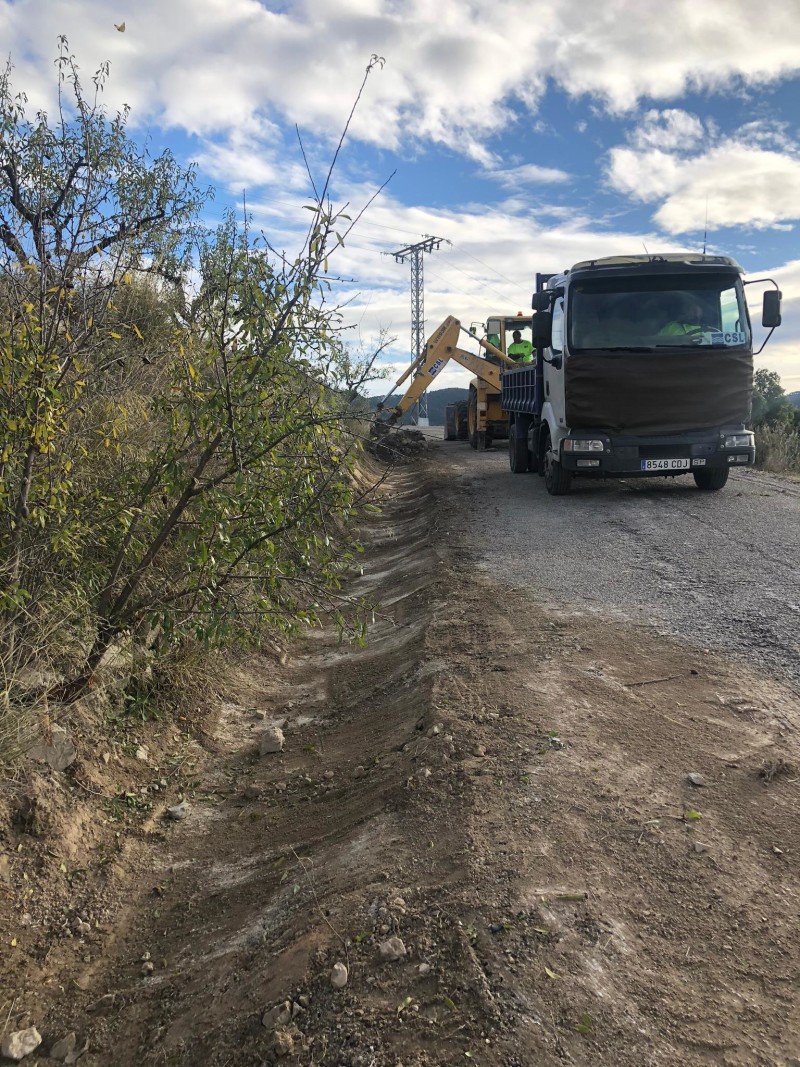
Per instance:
x=554, y=375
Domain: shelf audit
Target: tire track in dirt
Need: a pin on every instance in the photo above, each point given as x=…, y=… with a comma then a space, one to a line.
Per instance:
x=504, y=787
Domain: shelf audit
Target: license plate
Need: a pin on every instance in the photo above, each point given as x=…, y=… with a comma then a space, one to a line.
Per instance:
x=665, y=464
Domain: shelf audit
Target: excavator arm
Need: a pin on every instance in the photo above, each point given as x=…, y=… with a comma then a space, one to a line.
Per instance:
x=443, y=346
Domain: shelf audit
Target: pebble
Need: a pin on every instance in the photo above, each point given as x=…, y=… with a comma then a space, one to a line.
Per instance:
x=251, y=792
x=328, y=775
x=61, y=1049
x=21, y=1043
x=700, y=847
x=339, y=976
x=142, y=754
x=479, y=750
x=359, y=772
x=391, y=950
x=147, y=968
x=399, y=903
x=435, y=730
x=423, y=969
x=696, y=780
x=280, y=1015
x=81, y=927
x=179, y=811
x=271, y=741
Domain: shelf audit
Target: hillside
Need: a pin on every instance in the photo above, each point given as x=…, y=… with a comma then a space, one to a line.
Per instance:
x=438, y=399
x=794, y=398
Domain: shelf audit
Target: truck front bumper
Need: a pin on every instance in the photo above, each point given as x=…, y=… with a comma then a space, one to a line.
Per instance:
x=654, y=457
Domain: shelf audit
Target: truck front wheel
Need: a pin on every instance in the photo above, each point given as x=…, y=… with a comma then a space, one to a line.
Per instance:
x=711, y=480
x=557, y=480
x=518, y=455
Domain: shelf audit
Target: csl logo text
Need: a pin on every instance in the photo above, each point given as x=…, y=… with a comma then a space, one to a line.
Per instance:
x=437, y=366
x=735, y=338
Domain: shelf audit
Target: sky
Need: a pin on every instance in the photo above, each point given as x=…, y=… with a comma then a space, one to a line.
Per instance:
x=527, y=134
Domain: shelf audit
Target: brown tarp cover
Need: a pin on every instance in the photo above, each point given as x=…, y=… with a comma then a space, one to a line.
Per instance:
x=644, y=393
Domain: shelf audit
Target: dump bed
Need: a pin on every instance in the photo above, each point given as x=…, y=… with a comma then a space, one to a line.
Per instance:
x=521, y=389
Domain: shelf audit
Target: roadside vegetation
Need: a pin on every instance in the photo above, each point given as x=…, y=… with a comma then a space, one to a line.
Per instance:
x=177, y=429
x=776, y=421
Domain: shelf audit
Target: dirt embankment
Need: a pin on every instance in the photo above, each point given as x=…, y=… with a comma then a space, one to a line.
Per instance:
x=498, y=795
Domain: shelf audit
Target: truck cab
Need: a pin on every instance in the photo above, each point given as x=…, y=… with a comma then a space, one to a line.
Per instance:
x=644, y=369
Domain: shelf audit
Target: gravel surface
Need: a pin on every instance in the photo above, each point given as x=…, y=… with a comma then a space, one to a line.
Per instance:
x=716, y=569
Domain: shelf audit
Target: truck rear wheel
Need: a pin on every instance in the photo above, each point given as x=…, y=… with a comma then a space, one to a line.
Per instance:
x=711, y=480
x=518, y=455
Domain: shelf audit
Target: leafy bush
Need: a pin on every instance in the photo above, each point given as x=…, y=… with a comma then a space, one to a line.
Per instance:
x=175, y=461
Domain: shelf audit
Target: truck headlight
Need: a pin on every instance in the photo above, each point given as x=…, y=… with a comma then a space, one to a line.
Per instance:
x=577, y=444
x=738, y=440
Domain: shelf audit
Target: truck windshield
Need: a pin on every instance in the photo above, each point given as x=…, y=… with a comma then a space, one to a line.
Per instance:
x=649, y=313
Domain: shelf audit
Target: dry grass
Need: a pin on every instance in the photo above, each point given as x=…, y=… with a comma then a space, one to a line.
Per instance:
x=777, y=449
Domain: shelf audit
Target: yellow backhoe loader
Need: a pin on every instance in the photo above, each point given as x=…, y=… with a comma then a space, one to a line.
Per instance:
x=485, y=419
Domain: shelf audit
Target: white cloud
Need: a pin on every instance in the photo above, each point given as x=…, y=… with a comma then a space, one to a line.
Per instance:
x=670, y=130
x=525, y=174
x=750, y=178
x=452, y=71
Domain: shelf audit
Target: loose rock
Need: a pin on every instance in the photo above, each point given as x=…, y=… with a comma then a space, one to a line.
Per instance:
x=339, y=976
x=21, y=1043
x=359, y=772
x=423, y=969
x=251, y=792
x=179, y=811
x=328, y=775
x=391, y=950
x=147, y=968
x=479, y=750
x=62, y=1049
x=696, y=780
x=280, y=1015
x=271, y=741
x=59, y=752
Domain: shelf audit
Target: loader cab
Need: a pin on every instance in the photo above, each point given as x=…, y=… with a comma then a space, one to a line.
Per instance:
x=503, y=327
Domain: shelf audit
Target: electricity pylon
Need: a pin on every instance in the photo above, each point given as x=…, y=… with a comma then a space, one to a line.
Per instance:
x=414, y=253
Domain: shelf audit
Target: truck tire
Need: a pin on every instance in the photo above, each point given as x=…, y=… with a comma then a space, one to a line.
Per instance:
x=472, y=419
x=462, y=420
x=540, y=459
x=557, y=480
x=518, y=455
x=711, y=480
x=450, y=421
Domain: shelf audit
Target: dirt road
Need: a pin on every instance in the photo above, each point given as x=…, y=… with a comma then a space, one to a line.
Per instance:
x=496, y=791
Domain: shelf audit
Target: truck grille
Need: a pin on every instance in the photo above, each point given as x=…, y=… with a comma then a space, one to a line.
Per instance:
x=664, y=452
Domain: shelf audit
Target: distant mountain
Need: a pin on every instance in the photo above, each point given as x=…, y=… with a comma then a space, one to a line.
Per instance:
x=438, y=399
x=794, y=398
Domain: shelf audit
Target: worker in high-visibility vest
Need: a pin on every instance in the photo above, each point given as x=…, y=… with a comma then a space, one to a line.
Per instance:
x=519, y=350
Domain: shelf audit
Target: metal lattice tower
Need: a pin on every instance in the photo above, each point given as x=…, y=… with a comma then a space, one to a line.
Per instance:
x=414, y=253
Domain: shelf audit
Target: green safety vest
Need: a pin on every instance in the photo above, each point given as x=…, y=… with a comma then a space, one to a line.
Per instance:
x=680, y=328
x=521, y=351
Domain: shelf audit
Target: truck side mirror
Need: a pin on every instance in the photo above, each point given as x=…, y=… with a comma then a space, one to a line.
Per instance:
x=542, y=329
x=771, y=310
x=541, y=301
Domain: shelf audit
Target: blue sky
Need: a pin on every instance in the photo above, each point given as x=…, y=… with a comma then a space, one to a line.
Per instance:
x=527, y=133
